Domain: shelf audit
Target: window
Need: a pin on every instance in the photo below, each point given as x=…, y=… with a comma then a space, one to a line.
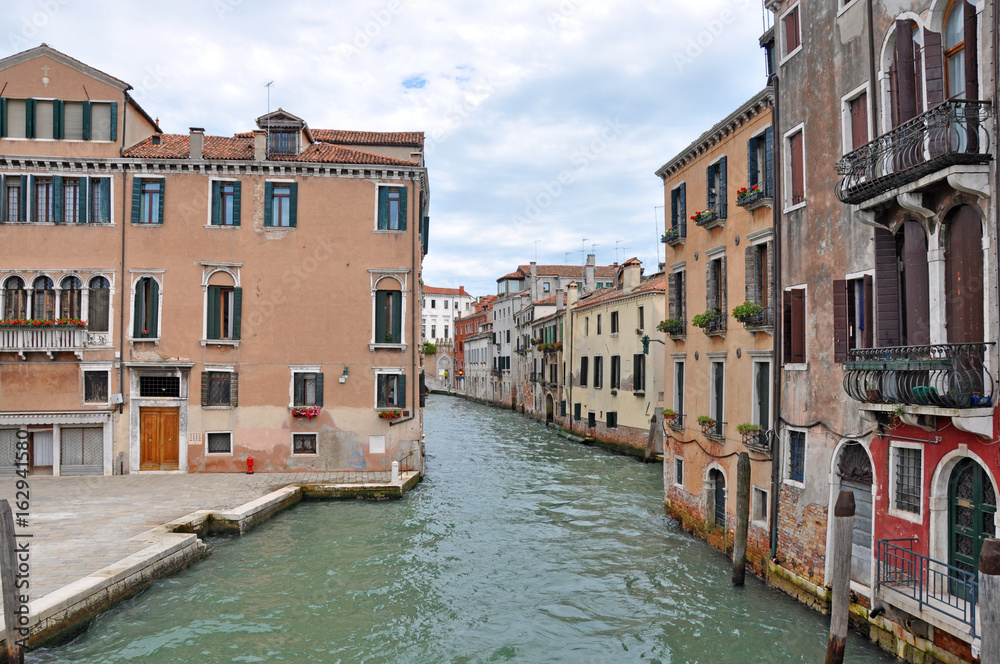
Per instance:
x=546, y=287
x=616, y=371
x=281, y=204
x=389, y=317
x=100, y=201
x=283, y=142
x=852, y=315
x=43, y=299
x=598, y=371
x=44, y=123
x=761, y=413
x=794, y=325
x=584, y=370
x=17, y=114
x=145, y=313
x=95, y=387
x=164, y=387
x=591, y=420
x=796, y=187
x=598, y=323
x=219, y=388
x=796, y=460
x=577, y=415
x=760, y=161
x=642, y=318
x=71, y=298
x=790, y=27
x=307, y=388
x=98, y=305
x=147, y=200
x=14, y=193
x=225, y=305
x=639, y=373
x=759, y=511
x=717, y=197
x=43, y=200
x=103, y=121
x=70, y=200
x=611, y=420
x=678, y=209
x=905, y=77
x=390, y=390
x=15, y=299
x=219, y=442
x=73, y=120
x=717, y=396
x=433, y=331
x=303, y=443
x=716, y=292
x=676, y=303
x=614, y=322
x=857, y=127
x=961, y=68
x=679, y=392
x=907, y=472
x=586, y=326
x=392, y=208
x=679, y=471
x=225, y=203
x=445, y=304
x=758, y=280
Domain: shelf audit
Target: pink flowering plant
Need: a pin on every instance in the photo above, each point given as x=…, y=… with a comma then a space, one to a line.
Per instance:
x=390, y=414
x=306, y=412
x=37, y=322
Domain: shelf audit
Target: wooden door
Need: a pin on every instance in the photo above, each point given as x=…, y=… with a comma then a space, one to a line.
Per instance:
x=972, y=507
x=159, y=434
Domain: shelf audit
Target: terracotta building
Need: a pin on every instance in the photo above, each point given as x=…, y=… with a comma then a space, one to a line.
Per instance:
x=167, y=299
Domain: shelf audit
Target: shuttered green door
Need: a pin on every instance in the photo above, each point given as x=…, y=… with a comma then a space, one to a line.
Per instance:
x=972, y=506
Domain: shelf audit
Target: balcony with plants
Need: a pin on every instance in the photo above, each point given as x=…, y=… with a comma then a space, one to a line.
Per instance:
x=752, y=197
x=712, y=322
x=917, y=153
x=755, y=318
x=674, y=235
x=21, y=335
x=707, y=218
x=673, y=327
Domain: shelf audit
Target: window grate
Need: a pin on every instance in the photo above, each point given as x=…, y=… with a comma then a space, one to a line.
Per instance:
x=220, y=443
x=160, y=386
x=304, y=443
x=908, y=479
x=95, y=386
x=796, y=456
x=218, y=388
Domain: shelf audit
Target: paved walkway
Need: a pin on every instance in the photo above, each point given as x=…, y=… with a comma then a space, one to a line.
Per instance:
x=82, y=524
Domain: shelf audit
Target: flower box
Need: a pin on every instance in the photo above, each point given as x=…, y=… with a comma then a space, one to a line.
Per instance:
x=390, y=414
x=36, y=323
x=306, y=412
x=672, y=326
x=705, y=217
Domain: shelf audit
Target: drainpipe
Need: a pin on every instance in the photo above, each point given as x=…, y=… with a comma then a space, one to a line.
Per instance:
x=871, y=70
x=995, y=22
x=776, y=149
x=415, y=390
x=122, y=280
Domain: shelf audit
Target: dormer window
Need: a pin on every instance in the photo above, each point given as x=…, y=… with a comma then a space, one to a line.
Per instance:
x=283, y=142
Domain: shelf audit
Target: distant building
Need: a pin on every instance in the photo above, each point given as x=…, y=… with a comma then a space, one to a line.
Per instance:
x=441, y=306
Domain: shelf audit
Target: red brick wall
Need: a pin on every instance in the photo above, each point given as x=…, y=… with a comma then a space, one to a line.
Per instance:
x=801, y=542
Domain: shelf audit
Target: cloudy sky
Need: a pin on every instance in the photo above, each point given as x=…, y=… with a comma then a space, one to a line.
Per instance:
x=545, y=120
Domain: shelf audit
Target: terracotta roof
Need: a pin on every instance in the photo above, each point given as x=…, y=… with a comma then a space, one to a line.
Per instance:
x=655, y=283
x=433, y=290
x=346, y=137
x=551, y=299
x=562, y=271
x=240, y=147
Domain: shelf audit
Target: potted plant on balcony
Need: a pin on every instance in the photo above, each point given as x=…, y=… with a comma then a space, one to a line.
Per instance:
x=750, y=433
x=707, y=425
x=747, y=195
x=671, y=325
x=671, y=235
x=640, y=331
x=707, y=320
x=614, y=392
x=703, y=216
x=390, y=414
x=747, y=311
x=430, y=348
x=306, y=412
x=669, y=414
x=41, y=322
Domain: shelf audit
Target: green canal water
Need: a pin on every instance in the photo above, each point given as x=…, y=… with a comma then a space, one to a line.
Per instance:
x=519, y=546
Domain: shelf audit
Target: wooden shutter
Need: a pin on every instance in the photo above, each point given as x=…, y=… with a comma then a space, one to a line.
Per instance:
x=87, y=115
x=401, y=390
x=752, y=161
x=859, y=121
x=972, y=52
x=298, y=389
x=792, y=36
x=205, y=388
x=906, y=94
x=136, y=199
x=234, y=389
x=710, y=192
x=798, y=326
x=866, y=325
x=723, y=197
x=22, y=205
x=97, y=310
x=138, y=307
x=769, y=161
x=57, y=118
x=216, y=202
x=381, y=306
x=751, y=271
x=841, y=324
x=163, y=197
x=237, y=312
x=212, y=326
x=154, y=308
x=887, y=318
x=293, y=204
x=397, y=316
x=105, y=200
x=83, y=210
x=934, y=62
x=674, y=196
x=786, y=327
x=3, y=117
x=57, y=199
x=383, y=208
x=798, y=177
x=237, y=201
x=682, y=208
x=319, y=389
x=31, y=213
x=915, y=284
x=404, y=193
x=3, y=198
x=29, y=118
x=584, y=370
x=114, y=121
x=268, y=204
x=672, y=295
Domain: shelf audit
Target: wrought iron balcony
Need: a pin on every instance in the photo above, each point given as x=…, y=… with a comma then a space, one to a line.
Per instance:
x=942, y=375
x=953, y=133
x=716, y=326
x=932, y=584
x=764, y=319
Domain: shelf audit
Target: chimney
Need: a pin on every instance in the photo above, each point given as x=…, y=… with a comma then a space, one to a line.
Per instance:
x=571, y=294
x=534, y=282
x=631, y=274
x=589, y=274
x=259, y=145
x=560, y=299
x=197, y=141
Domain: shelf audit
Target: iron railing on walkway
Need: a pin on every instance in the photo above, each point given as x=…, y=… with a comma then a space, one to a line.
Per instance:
x=933, y=584
x=952, y=133
x=940, y=375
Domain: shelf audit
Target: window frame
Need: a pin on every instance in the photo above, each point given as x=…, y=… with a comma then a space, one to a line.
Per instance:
x=382, y=373
x=154, y=335
x=679, y=389
x=151, y=201
x=293, y=203
x=846, y=123
x=788, y=195
x=679, y=470
x=217, y=205
x=95, y=368
x=305, y=434
x=317, y=372
x=384, y=207
x=786, y=477
x=783, y=31
x=760, y=498
x=786, y=362
x=207, y=376
x=893, y=489
x=208, y=452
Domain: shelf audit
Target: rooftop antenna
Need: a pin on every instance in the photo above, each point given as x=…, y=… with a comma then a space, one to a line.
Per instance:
x=656, y=229
x=583, y=251
x=566, y=257
x=617, y=242
x=268, y=86
x=593, y=248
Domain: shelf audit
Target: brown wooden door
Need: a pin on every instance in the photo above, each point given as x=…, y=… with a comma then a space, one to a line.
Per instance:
x=964, y=276
x=159, y=433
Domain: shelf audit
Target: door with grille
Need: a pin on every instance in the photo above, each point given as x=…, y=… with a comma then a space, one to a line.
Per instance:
x=972, y=507
x=81, y=451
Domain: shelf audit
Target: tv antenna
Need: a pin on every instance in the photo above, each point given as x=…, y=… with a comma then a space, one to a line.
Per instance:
x=268, y=86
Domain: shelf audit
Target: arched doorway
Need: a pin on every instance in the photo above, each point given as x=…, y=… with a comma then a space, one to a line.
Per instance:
x=716, y=498
x=854, y=469
x=550, y=408
x=972, y=507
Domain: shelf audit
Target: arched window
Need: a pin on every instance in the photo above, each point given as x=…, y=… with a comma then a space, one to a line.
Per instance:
x=98, y=304
x=905, y=73
x=15, y=299
x=145, y=316
x=71, y=298
x=43, y=306
x=389, y=312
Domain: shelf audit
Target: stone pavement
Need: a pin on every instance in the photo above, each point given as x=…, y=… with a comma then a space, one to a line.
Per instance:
x=82, y=524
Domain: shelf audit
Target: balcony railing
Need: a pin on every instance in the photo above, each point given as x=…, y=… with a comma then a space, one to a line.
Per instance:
x=717, y=326
x=45, y=340
x=953, y=133
x=675, y=234
x=934, y=585
x=941, y=375
x=762, y=320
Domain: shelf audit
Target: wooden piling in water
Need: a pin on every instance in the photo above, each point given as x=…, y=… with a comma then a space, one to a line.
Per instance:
x=989, y=601
x=840, y=603
x=742, y=519
x=649, y=441
x=8, y=570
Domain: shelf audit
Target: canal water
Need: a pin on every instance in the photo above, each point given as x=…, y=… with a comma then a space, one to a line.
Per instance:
x=518, y=546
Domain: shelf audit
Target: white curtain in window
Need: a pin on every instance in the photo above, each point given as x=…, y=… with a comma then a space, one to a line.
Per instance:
x=73, y=120
x=100, y=122
x=43, y=119
x=15, y=118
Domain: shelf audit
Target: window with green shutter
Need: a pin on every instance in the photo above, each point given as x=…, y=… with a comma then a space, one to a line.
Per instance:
x=147, y=200
x=225, y=304
x=225, y=203
x=392, y=208
x=391, y=391
x=388, y=317
x=145, y=314
x=280, y=204
x=98, y=210
x=307, y=389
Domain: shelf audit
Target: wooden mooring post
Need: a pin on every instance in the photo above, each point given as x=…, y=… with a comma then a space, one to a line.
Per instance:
x=742, y=519
x=840, y=603
x=989, y=601
x=650, y=449
x=8, y=570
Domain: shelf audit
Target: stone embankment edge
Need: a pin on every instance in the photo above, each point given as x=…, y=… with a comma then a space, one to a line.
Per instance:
x=172, y=546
